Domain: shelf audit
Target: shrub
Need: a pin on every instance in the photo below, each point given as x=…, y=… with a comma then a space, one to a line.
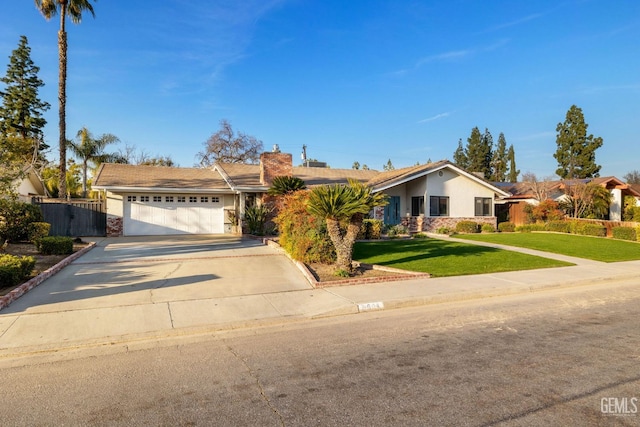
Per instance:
x=528, y=228
x=14, y=269
x=467, y=227
x=420, y=236
x=15, y=218
x=558, y=226
x=302, y=235
x=38, y=230
x=371, y=229
x=444, y=230
x=594, y=230
x=488, y=228
x=624, y=233
x=55, y=245
x=395, y=230
x=507, y=227
x=256, y=216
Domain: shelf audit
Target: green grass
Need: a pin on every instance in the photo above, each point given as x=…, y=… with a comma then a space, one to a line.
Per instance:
x=443, y=258
x=594, y=248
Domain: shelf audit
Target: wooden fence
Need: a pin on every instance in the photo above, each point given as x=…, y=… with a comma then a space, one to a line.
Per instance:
x=74, y=218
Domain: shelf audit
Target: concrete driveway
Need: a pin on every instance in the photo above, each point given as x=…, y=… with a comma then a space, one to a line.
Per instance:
x=151, y=270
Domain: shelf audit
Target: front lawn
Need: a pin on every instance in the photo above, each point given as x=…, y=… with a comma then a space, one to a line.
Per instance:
x=594, y=248
x=443, y=258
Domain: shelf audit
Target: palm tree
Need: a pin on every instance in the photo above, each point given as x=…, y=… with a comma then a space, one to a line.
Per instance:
x=72, y=9
x=282, y=185
x=88, y=149
x=344, y=208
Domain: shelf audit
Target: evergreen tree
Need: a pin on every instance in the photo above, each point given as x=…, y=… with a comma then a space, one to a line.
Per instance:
x=576, y=153
x=356, y=165
x=460, y=156
x=478, y=152
x=499, y=160
x=389, y=166
x=21, y=110
x=513, y=171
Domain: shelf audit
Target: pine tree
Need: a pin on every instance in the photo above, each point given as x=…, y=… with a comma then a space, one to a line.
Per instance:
x=460, y=157
x=576, y=153
x=499, y=160
x=389, y=166
x=513, y=171
x=478, y=152
x=21, y=110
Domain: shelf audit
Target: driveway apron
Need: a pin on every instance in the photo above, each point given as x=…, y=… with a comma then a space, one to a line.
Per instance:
x=150, y=270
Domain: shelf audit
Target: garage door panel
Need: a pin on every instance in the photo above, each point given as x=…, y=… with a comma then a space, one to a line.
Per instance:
x=160, y=218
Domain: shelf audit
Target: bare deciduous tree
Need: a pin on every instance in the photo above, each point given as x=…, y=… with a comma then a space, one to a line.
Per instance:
x=227, y=146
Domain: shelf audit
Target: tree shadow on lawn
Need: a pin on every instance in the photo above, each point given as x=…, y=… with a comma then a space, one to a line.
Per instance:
x=391, y=252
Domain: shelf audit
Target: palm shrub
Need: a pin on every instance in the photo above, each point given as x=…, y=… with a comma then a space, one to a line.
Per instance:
x=282, y=185
x=344, y=207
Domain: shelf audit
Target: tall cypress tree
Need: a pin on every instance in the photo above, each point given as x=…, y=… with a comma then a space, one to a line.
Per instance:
x=576, y=153
x=21, y=110
x=475, y=151
x=513, y=171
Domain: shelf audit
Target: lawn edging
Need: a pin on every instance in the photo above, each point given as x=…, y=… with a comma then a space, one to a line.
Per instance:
x=16, y=293
x=400, y=274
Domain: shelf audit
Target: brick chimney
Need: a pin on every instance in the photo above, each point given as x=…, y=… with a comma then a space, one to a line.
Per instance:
x=274, y=164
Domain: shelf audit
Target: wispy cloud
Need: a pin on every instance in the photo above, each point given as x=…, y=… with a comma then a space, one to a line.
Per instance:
x=513, y=23
x=434, y=118
x=452, y=55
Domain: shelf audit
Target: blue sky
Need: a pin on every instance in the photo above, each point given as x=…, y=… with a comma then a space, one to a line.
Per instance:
x=362, y=81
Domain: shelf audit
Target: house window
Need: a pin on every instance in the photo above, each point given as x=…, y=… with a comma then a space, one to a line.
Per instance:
x=438, y=206
x=417, y=206
x=483, y=206
x=181, y=199
x=215, y=199
x=193, y=199
x=131, y=198
x=157, y=198
x=168, y=199
x=204, y=199
x=144, y=198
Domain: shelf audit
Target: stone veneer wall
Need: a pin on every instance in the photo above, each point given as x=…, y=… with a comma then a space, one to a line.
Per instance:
x=114, y=226
x=431, y=224
x=275, y=164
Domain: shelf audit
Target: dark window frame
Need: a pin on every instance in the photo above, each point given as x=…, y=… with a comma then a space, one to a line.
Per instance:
x=482, y=206
x=417, y=205
x=436, y=204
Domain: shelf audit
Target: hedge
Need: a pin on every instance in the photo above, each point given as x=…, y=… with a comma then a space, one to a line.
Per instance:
x=14, y=269
x=624, y=233
x=371, y=229
x=594, y=230
x=506, y=227
x=528, y=228
x=559, y=226
x=467, y=227
x=55, y=245
x=488, y=228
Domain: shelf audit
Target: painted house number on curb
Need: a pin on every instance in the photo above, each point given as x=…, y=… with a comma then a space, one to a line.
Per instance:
x=370, y=306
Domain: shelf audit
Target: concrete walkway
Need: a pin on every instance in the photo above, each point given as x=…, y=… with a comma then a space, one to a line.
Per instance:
x=136, y=289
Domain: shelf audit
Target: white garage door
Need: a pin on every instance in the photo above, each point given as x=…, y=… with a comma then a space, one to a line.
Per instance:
x=173, y=214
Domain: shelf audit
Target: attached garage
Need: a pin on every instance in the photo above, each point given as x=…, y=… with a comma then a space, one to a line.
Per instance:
x=161, y=214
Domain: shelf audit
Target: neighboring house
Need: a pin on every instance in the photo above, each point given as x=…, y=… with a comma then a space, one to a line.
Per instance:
x=30, y=185
x=436, y=195
x=152, y=200
x=523, y=193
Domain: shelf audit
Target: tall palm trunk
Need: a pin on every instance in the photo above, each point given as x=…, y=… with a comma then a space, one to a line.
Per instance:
x=62, y=100
x=343, y=241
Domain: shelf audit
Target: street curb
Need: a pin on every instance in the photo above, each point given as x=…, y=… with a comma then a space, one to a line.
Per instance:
x=16, y=293
x=400, y=274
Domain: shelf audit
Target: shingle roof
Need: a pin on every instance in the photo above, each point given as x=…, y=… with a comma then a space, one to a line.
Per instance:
x=240, y=174
x=319, y=176
x=120, y=175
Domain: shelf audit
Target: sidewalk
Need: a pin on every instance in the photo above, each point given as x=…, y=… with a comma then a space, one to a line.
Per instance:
x=32, y=333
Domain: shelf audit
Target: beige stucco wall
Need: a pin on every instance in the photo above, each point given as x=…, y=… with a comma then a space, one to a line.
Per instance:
x=461, y=192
